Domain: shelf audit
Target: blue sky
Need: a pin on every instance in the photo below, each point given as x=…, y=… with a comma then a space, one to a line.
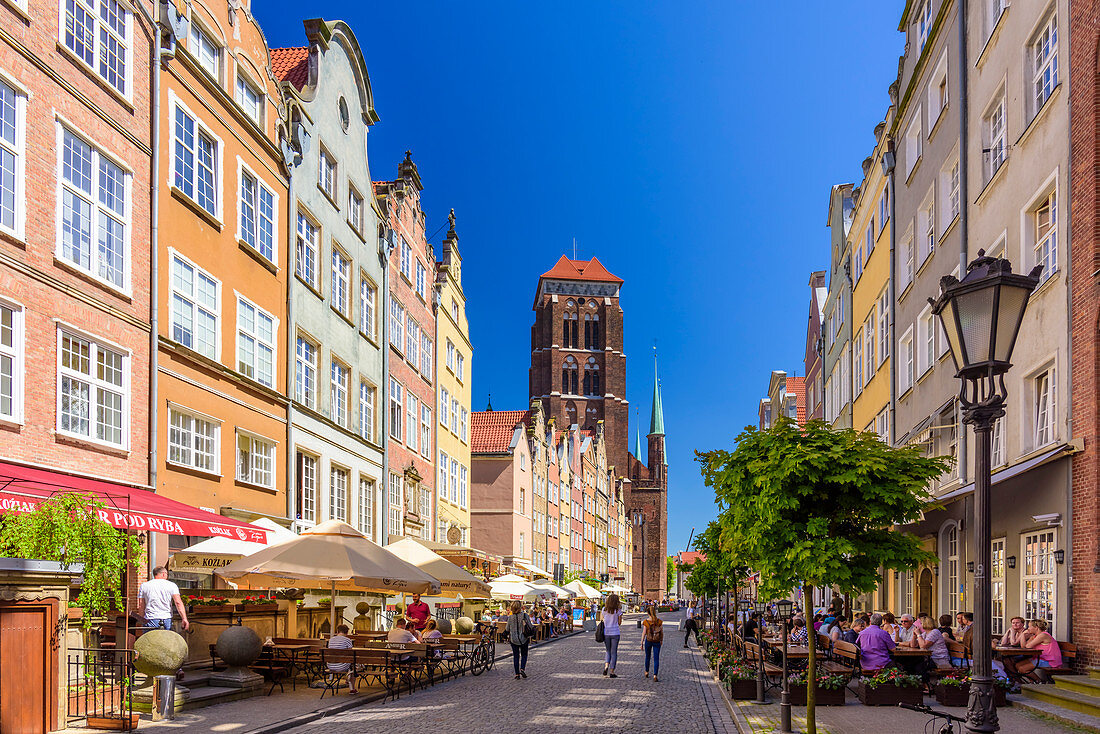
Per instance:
x=689, y=145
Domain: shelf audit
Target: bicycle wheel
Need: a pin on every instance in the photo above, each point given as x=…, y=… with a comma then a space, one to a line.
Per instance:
x=479, y=660
x=491, y=654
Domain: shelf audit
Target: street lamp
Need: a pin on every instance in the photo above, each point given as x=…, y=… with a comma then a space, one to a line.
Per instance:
x=638, y=517
x=981, y=316
x=785, y=609
x=760, y=608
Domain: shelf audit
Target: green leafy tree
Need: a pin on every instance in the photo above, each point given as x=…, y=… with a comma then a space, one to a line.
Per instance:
x=670, y=574
x=67, y=528
x=813, y=506
x=716, y=569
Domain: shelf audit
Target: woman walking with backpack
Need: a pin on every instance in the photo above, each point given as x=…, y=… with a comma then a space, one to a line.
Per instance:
x=611, y=616
x=519, y=635
x=652, y=638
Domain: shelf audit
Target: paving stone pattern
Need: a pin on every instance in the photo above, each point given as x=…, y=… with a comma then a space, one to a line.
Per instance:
x=565, y=692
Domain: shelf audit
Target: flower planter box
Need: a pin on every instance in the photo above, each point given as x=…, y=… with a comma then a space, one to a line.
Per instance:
x=200, y=609
x=126, y=723
x=823, y=696
x=960, y=695
x=887, y=694
x=742, y=689
x=95, y=701
x=75, y=614
x=272, y=607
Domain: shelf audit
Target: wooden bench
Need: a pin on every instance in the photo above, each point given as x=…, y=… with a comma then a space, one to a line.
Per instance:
x=752, y=652
x=845, y=659
x=1069, y=655
x=365, y=664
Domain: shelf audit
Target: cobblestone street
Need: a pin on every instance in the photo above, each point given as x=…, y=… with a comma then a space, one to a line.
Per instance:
x=566, y=691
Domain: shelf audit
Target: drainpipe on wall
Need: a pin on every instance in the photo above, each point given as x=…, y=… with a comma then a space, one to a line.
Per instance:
x=291, y=338
x=964, y=207
x=888, y=162
x=159, y=55
x=384, y=249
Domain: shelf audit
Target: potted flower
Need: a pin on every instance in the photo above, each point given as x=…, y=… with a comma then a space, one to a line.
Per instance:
x=75, y=612
x=124, y=718
x=829, y=690
x=741, y=679
x=257, y=604
x=324, y=601
x=953, y=689
x=889, y=687
x=208, y=604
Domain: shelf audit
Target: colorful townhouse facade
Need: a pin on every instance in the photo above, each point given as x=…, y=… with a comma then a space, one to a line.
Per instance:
x=336, y=432
x=222, y=277
x=453, y=377
x=836, y=362
x=411, y=362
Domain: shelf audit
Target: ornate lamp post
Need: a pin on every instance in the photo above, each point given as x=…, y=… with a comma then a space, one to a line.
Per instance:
x=760, y=608
x=981, y=317
x=785, y=610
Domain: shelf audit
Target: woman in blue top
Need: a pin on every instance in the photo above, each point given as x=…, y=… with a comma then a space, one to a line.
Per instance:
x=611, y=615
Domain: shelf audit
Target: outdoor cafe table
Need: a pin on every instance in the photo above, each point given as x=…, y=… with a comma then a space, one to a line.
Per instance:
x=908, y=657
x=1010, y=651
x=290, y=653
x=795, y=652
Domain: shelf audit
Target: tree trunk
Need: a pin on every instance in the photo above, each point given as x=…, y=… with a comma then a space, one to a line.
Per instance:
x=811, y=677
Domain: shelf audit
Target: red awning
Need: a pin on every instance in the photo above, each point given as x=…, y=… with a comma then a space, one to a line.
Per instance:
x=22, y=488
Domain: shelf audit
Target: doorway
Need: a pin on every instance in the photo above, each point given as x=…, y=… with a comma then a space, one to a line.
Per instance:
x=28, y=667
x=924, y=592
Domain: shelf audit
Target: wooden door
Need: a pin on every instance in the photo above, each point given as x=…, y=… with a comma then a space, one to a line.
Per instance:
x=28, y=668
x=924, y=592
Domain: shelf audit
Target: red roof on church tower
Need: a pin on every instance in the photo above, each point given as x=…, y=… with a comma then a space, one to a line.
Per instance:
x=590, y=270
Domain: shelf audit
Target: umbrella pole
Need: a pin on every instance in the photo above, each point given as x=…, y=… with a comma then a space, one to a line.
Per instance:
x=332, y=611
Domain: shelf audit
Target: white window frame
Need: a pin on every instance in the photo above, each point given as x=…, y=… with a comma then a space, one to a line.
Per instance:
x=997, y=438
x=307, y=480
x=412, y=421
x=1038, y=568
x=950, y=183
x=924, y=23
x=427, y=355
x=306, y=371
x=340, y=267
x=421, y=280
x=256, y=474
x=307, y=249
x=191, y=300
x=94, y=10
x=1041, y=245
x=328, y=172
x=200, y=130
x=906, y=356
x=340, y=393
x=262, y=225
x=997, y=553
x=397, y=409
x=444, y=406
x=914, y=143
x=883, y=326
x=339, y=478
x=93, y=198
x=249, y=97
x=1044, y=408
x=368, y=307
x=365, y=506
x=193, y=438
x=355, y=209
x=259, y=343
x=14, y=353
x=16, y=147
x=995, y=135
x=397, y=324
x=949, y=538
x=938, y=102
x=201, y=44
x=925, y=341
x=426, y=431
x=95, y=386
x=406, y=258
x=412, y=341
x=368, y=405
x=1043, y=54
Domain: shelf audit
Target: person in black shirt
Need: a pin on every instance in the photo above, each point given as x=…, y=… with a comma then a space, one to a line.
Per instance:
x=749, y=628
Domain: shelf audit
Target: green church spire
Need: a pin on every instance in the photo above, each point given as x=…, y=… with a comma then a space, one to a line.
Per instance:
x=657, y=420
x=638, y=445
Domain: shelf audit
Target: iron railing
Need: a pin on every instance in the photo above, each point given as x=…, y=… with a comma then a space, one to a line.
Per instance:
x=100, y=683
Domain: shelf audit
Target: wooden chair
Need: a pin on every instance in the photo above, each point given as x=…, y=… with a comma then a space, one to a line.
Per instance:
x=958, y=650
x=845, y=659
x=771, y=671
x=271, y=668
x=824, y=645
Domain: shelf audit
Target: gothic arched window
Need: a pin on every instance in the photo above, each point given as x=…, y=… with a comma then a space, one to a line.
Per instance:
x=569, y=376
x=592, y=377
x=592, y=331
x=569, y=329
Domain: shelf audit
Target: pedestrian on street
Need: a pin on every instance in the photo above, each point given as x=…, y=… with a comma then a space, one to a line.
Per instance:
x=690, y=626
x=651, y=641
x=611, y=615
x=155, y=599
x=519, y=635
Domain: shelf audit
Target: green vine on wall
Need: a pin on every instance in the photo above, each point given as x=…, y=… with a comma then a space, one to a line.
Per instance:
x=67, y=528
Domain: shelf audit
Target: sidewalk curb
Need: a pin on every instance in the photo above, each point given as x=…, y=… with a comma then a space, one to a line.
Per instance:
x=347, y=705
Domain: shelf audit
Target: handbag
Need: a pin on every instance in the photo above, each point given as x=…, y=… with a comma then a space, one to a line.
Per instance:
x=599, y=632
x=528, y=628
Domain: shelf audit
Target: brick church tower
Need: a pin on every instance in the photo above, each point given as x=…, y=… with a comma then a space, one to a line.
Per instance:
x=649, y=496
x=578, y=369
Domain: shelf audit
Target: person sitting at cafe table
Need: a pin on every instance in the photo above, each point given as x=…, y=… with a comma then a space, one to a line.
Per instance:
x=1050, y=655
x=906, y=633
x=934, y=640
x=799, y=632
x=850, y=633
x=875, y=645
x=890, y=624
x=964, y=634
x=749, y=628
x=341, y=641
x=400, y=631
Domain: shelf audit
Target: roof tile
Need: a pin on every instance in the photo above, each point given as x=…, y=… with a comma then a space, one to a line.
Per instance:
x=591, y=270
x=491, y=430
x=291, y=65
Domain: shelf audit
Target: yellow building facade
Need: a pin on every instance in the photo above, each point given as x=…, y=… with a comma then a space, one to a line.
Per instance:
x=869, y=245
x=454, y=362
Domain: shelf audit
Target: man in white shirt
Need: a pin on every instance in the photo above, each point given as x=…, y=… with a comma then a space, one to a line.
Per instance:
x=155, y=600
x=689, y=625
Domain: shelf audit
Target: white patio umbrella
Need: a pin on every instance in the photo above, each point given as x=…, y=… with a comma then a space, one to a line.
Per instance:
x=556, y=590
x=336, y=553
x=455, y=580
x=583, y=590
x=212, y=553
x=614, y=589
x=518, y=590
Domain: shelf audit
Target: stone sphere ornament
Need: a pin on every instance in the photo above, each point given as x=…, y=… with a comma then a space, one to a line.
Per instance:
x=362, y=607
x=159, y=652
x=239, y=646
x=443, y=625
x=464, y=625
